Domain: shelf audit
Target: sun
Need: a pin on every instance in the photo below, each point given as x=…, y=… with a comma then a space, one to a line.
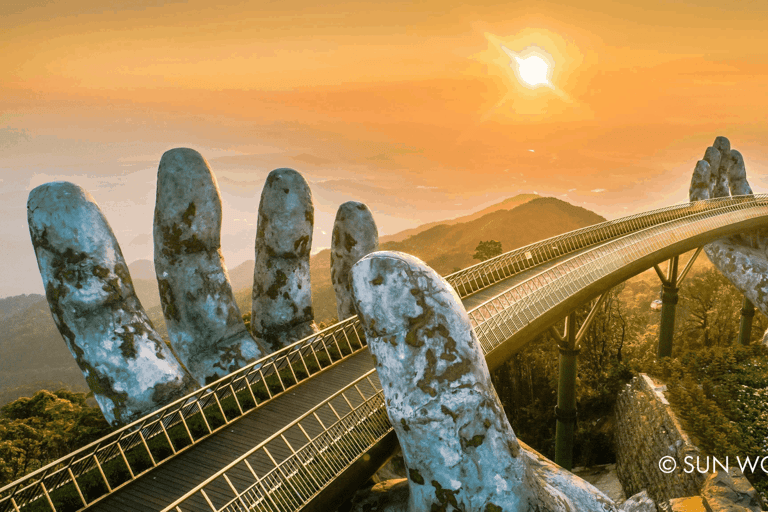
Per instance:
x=532, y=66
x=533, y=70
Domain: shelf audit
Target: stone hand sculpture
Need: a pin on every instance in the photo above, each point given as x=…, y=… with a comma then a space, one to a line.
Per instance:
x=89, y=290
x=742, y=258
x=459, y=449
x=125, y=361
x=204, y=322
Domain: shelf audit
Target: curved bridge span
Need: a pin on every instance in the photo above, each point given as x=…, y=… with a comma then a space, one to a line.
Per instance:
x=306, y=425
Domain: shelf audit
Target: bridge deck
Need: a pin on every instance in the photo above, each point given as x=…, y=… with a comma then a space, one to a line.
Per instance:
x=173, y=479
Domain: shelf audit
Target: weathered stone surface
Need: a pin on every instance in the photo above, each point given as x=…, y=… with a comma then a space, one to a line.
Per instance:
x=604, y=477
x=354, y=236
x=647, y=429
x=720, y=169
x=89, y=290
x=725, y=492
x=204, y=322
x=458, y=446
x=743, y=258
x=737, y=175
x=640, y=502
x=700, y=182
x=282, y=292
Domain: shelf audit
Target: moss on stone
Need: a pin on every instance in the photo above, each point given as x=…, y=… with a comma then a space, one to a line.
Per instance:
x=280, y=280
x=415, y=476
x=189, y=214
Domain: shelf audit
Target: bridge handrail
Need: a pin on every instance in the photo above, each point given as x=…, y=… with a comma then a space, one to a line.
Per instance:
x=296, y=476
x=569, y=271
x=329, y=344
x=481, y=275
x=500, y=317
x=466, y=282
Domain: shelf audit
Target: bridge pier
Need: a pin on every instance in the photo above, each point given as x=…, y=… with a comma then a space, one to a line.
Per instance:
x=745, y=326
x=669, y=299
x=670, y=285
x=565, y=410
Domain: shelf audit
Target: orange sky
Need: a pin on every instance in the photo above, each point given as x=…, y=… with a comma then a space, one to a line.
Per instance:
x=409, y=107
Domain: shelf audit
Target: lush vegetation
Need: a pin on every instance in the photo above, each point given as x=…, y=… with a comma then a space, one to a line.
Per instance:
x=38, y=430
x=719, y=394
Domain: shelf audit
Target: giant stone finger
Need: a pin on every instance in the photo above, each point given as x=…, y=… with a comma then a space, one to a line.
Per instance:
x=719, y=165
x=282, y=291
x=354, y=236
x=203, y=319
x=737, y=175
x=93, y=303
x=458, y=446
x=700, y=182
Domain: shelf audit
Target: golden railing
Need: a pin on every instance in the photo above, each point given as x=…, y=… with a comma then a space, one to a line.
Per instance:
x=292, y=466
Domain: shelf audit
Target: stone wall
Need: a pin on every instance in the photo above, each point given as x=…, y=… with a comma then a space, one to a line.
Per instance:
x=646, y=431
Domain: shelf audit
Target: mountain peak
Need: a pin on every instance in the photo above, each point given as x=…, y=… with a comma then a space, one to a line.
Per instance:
x=507, y=204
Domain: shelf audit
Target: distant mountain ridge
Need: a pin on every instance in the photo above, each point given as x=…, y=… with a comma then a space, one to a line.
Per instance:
x=449, y=247
x=32, y=350
x=506, y=204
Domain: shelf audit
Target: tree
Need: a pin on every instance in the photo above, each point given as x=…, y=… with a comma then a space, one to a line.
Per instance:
x=38, y=430
x=487, y=250
x=713, y=306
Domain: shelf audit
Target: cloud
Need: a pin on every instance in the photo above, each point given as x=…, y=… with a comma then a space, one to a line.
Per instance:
x=598, y=190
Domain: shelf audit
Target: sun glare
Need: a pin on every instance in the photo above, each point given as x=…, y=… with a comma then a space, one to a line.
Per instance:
x=531, y=67
x=533, y=70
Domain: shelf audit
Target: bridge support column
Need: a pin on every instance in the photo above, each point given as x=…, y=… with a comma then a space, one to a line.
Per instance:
x=745, y=327
x=565, y=411
x=670, y=286
x=669, y=299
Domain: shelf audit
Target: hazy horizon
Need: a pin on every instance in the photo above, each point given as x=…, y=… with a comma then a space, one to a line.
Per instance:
x=410, y=108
